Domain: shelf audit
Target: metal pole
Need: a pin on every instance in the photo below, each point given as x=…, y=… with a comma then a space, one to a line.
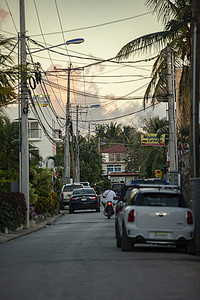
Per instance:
x=66, y=149
x=174, y=113
x=24, y=113
x=77, y=149
x=194, y=98
x=171, y=111
x=89, y=132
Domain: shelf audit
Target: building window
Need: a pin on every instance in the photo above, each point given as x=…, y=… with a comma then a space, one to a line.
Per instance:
x=117, y=157
x=34, y=153
x=111, y=157
x=113, y=168
x=34, y=131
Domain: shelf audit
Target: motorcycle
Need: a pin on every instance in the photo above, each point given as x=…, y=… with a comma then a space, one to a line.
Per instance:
x=109, y=210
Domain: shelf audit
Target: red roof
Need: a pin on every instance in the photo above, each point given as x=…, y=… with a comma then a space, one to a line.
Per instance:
x=114, y=149
x=123, y=174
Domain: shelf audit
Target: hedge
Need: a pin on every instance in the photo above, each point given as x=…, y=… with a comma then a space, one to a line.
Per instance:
x=12, y=211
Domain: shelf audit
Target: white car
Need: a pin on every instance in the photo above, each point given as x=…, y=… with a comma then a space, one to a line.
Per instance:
x=66, y=193
x=155, y=215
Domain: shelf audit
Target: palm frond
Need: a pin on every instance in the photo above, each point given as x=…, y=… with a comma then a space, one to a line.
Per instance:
x=143, y=44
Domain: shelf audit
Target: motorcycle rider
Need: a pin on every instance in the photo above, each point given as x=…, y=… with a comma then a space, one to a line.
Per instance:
x=108, y=195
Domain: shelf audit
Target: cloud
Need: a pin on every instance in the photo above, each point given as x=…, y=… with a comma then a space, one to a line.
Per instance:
x=3, y=15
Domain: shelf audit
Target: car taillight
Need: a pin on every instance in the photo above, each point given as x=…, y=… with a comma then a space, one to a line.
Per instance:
x=189, y=217
x=72, y=199
x=93, y=198
x=117, y=210
x=131, y=216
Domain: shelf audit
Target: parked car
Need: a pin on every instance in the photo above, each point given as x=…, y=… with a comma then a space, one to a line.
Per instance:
x=66, y=193
x=84, y=198
x=155, y=215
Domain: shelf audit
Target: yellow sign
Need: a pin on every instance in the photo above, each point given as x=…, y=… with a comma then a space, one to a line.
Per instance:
x=158, y=173
x=152, y=139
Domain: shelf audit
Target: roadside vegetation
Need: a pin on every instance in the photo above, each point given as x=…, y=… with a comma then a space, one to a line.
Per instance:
x=44, y=189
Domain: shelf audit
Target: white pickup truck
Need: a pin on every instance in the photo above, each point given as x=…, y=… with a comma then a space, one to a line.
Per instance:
x=66, y=193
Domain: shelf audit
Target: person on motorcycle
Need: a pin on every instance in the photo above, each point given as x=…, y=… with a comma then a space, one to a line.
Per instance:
x=108, y=195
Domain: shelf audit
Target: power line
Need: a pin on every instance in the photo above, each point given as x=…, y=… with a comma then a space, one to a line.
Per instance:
x=126, y=115
x=97, y=25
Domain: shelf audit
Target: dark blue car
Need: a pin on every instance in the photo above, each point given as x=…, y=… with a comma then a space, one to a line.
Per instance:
x=84, y=198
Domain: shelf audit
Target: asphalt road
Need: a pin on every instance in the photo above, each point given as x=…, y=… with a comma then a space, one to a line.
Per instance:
x=76, y=258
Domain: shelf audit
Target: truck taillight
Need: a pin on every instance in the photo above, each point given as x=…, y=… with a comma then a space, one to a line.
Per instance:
x=189, y=217
x=131, y=216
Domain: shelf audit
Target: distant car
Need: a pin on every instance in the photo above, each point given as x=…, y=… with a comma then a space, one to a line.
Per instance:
x=84, y=198
x=117, y=188
x=66, y=193
x=155, y=215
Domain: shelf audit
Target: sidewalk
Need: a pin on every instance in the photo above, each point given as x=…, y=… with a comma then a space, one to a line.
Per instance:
x=6, y=237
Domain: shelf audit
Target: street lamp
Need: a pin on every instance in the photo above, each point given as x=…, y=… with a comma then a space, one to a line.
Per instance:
x=66, y=148
x=73, y=41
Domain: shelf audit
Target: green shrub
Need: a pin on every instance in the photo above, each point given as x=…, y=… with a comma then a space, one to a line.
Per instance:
x=44, y=205
x=12, y=211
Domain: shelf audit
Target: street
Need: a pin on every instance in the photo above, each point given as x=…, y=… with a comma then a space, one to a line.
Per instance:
x=77, y=258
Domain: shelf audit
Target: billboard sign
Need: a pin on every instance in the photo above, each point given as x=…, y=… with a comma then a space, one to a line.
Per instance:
x=41, y=100
x=152, y=139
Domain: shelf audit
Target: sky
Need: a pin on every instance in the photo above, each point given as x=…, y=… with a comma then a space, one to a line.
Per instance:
x=106, y=26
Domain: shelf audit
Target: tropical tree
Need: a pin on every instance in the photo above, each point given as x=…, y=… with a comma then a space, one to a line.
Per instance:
x=8, y=72
x=176, y=17
x=9, y=150
x=90, y=162
x=155, y=157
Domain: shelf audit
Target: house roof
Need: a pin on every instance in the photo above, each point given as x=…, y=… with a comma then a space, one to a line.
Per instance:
x=123, y=174
x=114, y=149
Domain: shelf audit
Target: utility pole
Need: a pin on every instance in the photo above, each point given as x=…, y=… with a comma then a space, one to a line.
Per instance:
x=194, y=123
x=66, y=149
x=194, y=126
x=172, y=140
x=24, y=178
x=89, y=132
x=77, y=148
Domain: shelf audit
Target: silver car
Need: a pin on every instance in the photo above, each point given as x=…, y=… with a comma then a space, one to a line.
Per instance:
x=155, y=215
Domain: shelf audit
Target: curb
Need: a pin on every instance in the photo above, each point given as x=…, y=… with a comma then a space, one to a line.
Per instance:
x=6, y=237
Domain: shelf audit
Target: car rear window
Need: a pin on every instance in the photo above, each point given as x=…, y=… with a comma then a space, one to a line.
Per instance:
x=83, y=192
x=160, y=199
x=69, y=188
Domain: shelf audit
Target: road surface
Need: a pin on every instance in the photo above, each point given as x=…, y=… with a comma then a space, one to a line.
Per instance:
x=77, y=259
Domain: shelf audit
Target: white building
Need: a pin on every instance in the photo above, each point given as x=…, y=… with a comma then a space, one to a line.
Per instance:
x=43, y=129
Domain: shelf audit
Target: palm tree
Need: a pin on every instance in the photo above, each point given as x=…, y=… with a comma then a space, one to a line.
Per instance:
x=176, y=18
x=8, y=72
x=156, y=157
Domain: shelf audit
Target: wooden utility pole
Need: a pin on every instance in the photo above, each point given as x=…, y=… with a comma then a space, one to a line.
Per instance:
x=194, y=126
x=194, y=121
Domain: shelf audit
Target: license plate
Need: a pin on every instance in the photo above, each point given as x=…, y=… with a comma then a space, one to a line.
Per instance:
x=83, y=199
x=161, y=234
